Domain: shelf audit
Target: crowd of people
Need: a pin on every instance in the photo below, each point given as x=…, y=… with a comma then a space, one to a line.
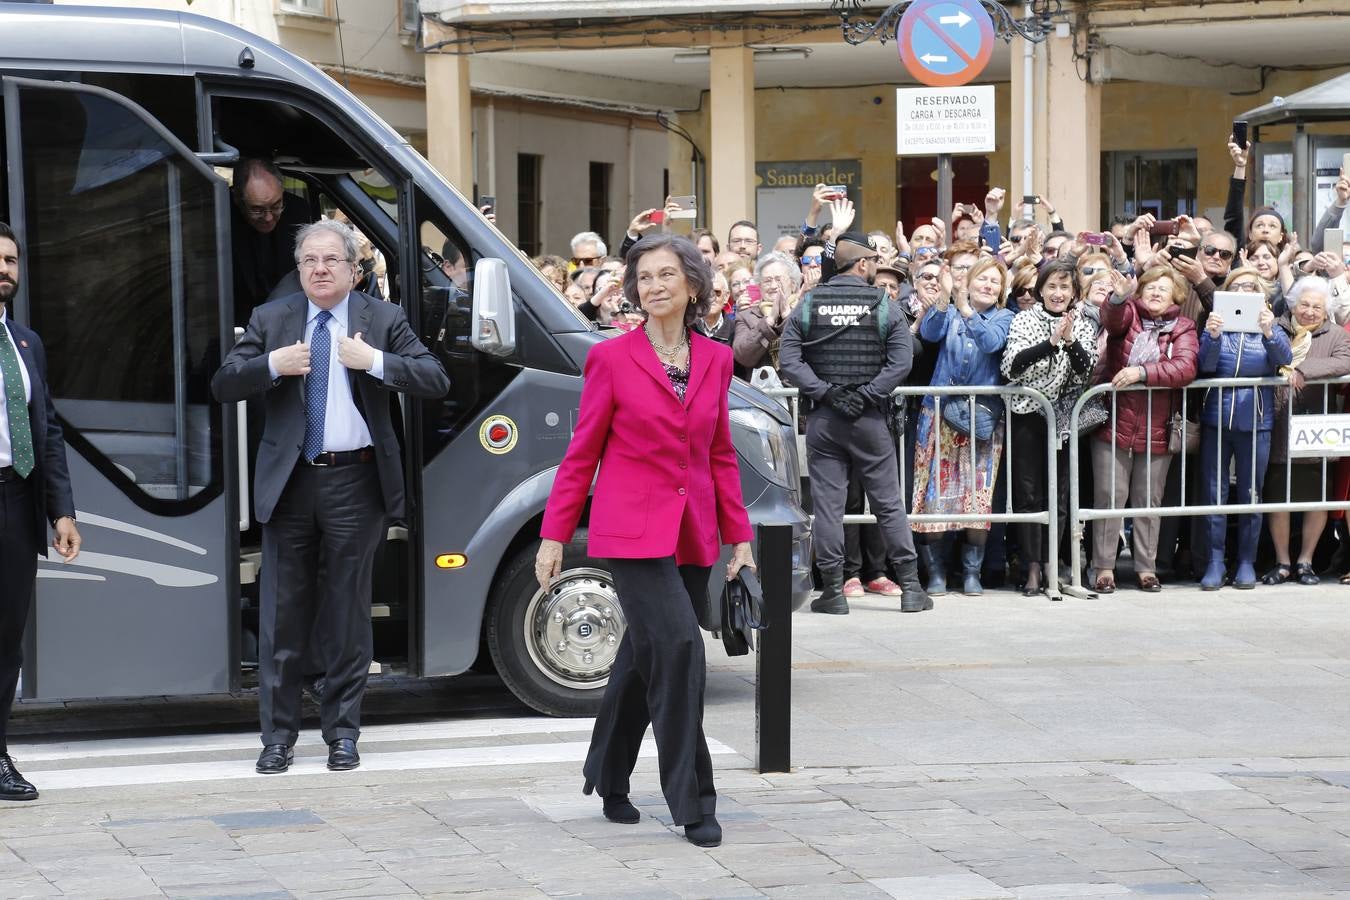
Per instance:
x=1060, y=311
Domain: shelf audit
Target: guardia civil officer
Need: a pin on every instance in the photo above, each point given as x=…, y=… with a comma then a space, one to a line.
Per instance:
x=846, y=347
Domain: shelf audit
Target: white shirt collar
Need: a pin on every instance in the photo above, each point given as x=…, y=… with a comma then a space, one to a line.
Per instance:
x=338, y=312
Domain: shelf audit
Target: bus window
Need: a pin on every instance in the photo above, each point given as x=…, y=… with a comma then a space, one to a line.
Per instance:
x=122, y=284
x=446, y=305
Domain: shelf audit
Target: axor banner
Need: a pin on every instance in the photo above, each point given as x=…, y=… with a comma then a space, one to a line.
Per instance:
x=1319, y=435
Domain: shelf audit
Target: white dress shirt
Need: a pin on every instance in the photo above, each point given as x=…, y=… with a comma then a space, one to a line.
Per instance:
x=343, y=427
x=6, y=450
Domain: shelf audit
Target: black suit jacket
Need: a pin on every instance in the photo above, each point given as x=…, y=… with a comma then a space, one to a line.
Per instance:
x=50, y=478
x=408, y=367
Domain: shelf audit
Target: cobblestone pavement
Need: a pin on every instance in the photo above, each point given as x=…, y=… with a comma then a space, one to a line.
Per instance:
x=1174, y=745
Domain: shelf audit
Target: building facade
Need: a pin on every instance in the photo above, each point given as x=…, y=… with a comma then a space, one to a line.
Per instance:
x=574, y=114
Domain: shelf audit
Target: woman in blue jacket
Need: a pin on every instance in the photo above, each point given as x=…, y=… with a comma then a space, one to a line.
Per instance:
x=970, y=324
x=1237, y=424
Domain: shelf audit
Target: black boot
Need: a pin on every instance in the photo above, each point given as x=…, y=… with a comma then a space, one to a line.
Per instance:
x=831, y=600
x=913, y=598
x=935, y=561
x=972, y=560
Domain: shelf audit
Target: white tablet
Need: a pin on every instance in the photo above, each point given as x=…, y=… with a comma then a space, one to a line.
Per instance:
x=1239, y=310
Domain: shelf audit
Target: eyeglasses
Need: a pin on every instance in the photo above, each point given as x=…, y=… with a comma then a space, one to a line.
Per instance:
x=719, y=292
x=329, y=262
x=927, y=276
x=587, y=261
x=966, y=268
x=1246, y=287
x=1027, y=291
x=264, y=212
x=813, y=260
x=1089, y=271
x=1225, y=255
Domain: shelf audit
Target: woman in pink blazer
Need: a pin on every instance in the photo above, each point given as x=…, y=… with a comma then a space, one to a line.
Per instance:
x=654, y=419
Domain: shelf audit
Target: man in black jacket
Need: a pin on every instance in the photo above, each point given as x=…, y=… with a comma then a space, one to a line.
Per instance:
x=34, y=492
x=330, y=477
x=846, y=347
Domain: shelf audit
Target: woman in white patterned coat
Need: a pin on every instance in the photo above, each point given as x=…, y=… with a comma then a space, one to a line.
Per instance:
x=1052, y=348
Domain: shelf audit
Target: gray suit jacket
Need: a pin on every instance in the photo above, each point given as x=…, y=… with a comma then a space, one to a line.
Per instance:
x=408, y=367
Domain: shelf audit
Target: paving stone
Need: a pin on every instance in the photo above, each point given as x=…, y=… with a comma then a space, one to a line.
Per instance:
x=942, y=887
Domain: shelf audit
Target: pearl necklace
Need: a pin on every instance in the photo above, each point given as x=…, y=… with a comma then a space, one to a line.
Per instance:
x=662, y=350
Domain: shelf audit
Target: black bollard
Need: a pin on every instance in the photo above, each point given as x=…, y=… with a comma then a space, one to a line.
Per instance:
x=773, y=663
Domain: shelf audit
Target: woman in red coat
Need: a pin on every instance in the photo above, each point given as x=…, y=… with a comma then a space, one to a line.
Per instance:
x=654, y=419
x=1148, y=342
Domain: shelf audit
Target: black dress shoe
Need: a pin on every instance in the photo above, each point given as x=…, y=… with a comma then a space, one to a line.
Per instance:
x=704, y=833
x=274, y=759
x=342, y=755
x=13, y=786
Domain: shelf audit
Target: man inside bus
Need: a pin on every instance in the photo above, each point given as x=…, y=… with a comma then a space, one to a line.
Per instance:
x=263, y=222
x=329, y=479
x=34, y=491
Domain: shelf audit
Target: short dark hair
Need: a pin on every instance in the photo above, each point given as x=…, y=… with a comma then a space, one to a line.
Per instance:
x=743, y=223
x=696, y=271
x=1121, y=220
x=699, y=234
x=7, y=232
x=1058, y=267
x=450, y=252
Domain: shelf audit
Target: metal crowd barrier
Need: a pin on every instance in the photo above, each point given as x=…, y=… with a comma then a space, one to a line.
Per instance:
x=1048, y=517
x=1079, y=514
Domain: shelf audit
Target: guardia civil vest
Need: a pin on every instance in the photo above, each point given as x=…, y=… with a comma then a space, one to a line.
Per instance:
x=844, y=332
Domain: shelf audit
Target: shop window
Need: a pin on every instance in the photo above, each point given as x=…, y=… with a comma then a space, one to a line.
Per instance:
x=529, y=203
x=600, y=178
x=1159, y=182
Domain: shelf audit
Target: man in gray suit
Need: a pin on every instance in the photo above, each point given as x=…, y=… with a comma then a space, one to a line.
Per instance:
x=330, y=477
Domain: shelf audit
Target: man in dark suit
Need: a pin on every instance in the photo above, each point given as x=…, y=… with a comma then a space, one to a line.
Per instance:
x=34, y=490
x=329, y=478
x=264, y=220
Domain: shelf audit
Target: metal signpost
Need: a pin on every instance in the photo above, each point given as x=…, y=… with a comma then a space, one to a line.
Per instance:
x=944, y=44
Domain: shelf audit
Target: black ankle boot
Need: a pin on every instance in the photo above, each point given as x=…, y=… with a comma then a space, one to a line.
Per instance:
x=618, y=809
x=831, y=600
x=913, y=598
x=705, y=833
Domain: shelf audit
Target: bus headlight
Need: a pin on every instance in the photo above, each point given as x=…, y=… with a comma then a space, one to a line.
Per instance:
x=761, y=441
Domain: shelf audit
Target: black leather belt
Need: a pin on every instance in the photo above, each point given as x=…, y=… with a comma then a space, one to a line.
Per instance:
x=7, y=473
x=343, y=457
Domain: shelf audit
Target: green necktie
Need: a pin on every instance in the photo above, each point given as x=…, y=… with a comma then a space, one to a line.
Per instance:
x=20, y=430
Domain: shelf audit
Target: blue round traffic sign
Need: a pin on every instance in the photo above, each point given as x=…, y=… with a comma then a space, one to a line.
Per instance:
x=945, y=43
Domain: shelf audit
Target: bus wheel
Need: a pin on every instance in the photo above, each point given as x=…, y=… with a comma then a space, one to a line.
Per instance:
x=554, y=649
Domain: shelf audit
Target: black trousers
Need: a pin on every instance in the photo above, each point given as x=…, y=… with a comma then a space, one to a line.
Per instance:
x=19, y=547
x=318, y=563
x=835, y=446
x=658, y=678
x=1031, y=481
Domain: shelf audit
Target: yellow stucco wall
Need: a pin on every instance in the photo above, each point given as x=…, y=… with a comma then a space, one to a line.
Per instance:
x=845, y=123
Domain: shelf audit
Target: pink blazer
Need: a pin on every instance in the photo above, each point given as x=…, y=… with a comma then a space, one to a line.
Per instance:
x=669, y=481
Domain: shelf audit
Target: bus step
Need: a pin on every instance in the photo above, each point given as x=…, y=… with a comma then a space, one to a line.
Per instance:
x=249, y=566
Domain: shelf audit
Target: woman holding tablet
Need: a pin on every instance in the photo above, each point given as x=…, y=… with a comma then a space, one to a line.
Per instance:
x=1236, y=428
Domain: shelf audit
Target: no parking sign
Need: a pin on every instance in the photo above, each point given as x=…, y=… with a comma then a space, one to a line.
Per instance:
x=945, y=43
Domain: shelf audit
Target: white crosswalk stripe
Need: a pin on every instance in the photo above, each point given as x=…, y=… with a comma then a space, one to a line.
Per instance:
x=196, y=765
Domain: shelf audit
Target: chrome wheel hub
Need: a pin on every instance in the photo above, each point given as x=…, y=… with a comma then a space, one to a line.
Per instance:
x=573, y=630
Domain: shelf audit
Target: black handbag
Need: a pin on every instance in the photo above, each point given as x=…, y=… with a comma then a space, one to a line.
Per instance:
x=742, y=612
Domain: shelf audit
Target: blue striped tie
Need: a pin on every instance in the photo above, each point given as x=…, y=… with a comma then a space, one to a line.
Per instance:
x=316, y=385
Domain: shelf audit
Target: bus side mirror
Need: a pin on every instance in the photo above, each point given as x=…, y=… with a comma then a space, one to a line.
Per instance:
x=494, y=314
